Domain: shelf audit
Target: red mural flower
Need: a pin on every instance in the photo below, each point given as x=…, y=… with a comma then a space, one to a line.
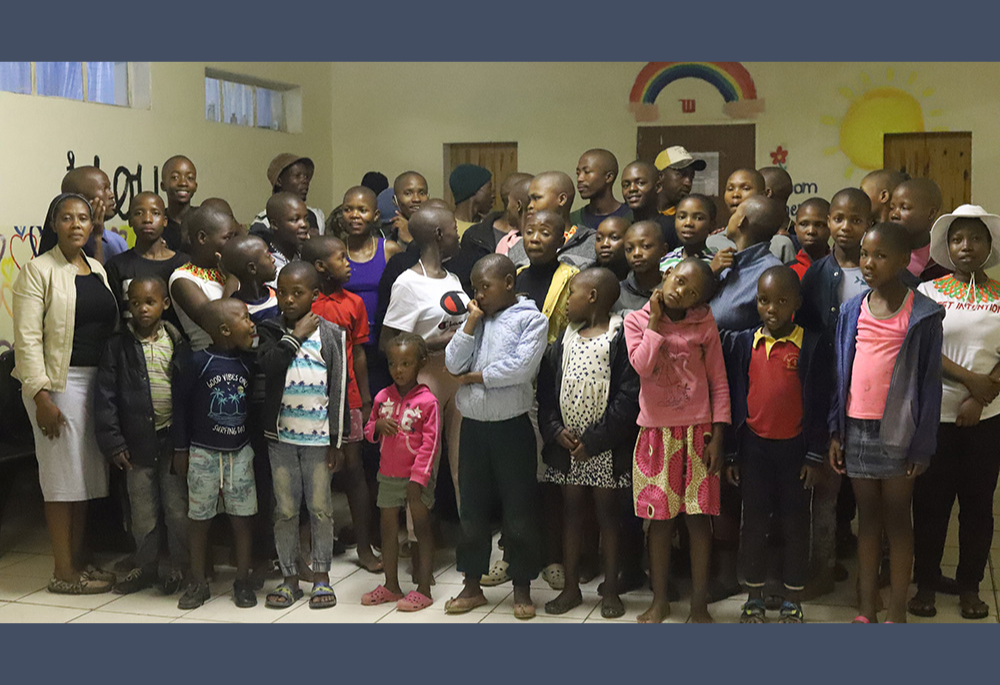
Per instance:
x=779, y=156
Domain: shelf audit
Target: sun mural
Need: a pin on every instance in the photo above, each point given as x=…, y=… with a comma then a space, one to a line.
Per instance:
x=886, y=106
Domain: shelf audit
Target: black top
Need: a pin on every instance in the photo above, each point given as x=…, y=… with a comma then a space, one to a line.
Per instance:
x=534, y=281
x=122, y=268
x=172, y=234
x=668, y=226
x=96, y=314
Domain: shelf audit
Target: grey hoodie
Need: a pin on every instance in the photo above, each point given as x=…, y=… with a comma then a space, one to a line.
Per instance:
x=507, y=348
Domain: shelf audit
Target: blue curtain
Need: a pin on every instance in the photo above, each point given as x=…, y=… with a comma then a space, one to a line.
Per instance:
x=107, y=82
x=237, y=103
x=15, y=77
x=59, y=79
x=213, y=100
x=269, y=109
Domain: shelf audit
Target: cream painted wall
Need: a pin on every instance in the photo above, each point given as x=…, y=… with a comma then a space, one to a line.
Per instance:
x=392, y=117
x=36, y=132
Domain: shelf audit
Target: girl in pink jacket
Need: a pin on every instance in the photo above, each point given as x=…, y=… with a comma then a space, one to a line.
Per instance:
x=406, y=423
x=673, y=344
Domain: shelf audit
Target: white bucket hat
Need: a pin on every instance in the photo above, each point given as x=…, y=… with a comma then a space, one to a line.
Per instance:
x=939, y=235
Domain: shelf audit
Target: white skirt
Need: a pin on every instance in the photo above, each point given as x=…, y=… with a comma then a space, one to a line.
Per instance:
x=71, y=467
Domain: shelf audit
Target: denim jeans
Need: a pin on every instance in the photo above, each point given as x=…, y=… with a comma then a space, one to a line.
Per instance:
x=297, y=471
x=152, y=489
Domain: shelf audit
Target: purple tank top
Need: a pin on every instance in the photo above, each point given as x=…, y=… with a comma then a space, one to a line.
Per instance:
x=364, y=281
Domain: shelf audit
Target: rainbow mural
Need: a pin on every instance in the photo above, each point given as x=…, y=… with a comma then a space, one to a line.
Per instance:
x=731, y=79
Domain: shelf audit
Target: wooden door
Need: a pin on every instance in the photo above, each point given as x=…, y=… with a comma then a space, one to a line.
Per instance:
x=724, y=148
x=944, y=157
x=499, y=158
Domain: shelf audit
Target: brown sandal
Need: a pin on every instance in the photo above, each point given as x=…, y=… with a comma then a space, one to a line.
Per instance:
x=83, y=586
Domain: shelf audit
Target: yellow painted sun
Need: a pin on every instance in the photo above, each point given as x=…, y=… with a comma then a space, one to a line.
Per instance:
x=878, y=109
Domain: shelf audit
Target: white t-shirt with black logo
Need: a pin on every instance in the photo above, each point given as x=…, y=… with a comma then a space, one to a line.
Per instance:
x=426, y=306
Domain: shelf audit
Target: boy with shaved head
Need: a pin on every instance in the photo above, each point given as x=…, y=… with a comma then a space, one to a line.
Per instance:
x=94, y=186
x=595, y=181
x=482, y=238
x=289, y=220
x=495, y=358
x=878, y=186
x=915, y=205
x=553, y=191
x=743, y=184
x=755, y=222
x=778, y=185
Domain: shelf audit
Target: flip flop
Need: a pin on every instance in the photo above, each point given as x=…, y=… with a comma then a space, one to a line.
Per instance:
x=860, y=618
x=612, y=611
x=463, y=605
x=322, y=596
x=380, y=595
x=974, y=612
x=283, y=596
x=414, y=601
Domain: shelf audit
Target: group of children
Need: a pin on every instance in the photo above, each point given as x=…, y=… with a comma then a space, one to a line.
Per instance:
x=629, y=363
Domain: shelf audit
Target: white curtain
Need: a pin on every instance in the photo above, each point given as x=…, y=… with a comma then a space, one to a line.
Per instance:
x=107, y=82
x=269, y=108
x=60, y=79
x=15, y=77
x=237, y=103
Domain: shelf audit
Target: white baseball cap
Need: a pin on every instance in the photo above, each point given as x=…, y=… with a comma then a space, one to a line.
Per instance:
x=677, y=157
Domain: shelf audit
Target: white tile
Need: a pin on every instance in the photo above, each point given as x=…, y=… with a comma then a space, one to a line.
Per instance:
x=195, y=620
x=52, y=599
x=15, y=587
x=538, y=620
x=221, y=608
x=15, y=612
x=148, y=602
x=429, y=616
x=342, y=613
x=110, y=617
x=33, y=566
x=8, y=558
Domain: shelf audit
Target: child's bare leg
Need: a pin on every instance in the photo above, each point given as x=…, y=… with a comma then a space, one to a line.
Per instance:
x=360, y=506
x=390, y=549
x=572, y=534
x=242, y=542
x=896, y=497
x=198, y=542
x=424, y=559
x=606, y=504
x=660, y=535
x=700, y=528
x=868, y=494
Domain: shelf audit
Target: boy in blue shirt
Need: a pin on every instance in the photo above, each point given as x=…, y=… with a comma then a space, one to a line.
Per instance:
x=495, y=357
x=212, y=445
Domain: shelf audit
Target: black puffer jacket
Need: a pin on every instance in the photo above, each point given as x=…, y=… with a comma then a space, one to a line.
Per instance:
x=123, y=406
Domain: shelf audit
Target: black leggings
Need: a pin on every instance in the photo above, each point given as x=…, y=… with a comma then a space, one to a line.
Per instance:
x=769, y=480
x=965, y=466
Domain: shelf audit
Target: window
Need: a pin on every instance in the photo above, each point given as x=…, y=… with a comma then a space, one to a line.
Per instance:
x=125, y=84
x=244, y=101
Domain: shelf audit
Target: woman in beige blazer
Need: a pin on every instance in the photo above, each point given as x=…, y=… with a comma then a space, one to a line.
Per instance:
x=64, y=313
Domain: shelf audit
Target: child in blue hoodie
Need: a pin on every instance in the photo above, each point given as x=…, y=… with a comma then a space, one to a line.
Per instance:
x=885, y=412
x=495, y=357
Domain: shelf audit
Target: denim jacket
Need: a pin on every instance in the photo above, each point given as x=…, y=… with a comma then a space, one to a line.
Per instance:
x=913, y=406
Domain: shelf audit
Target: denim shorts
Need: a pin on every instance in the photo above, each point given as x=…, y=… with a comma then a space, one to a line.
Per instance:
x=392, y=492
x=229, y=474
x=863, y=453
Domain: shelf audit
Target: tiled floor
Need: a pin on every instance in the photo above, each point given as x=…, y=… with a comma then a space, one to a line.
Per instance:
x=26, y=565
